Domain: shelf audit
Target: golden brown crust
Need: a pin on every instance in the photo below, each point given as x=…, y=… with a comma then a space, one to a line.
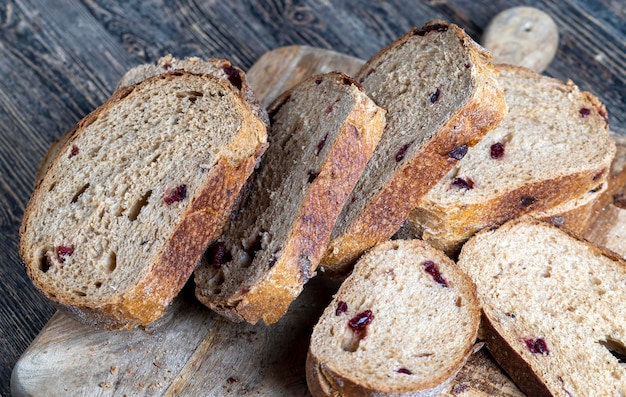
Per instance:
x=385, y=213
x=270, y=298
x=200, y=224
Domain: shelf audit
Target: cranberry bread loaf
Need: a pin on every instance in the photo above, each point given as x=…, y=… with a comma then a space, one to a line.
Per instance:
x=441, y=97
x=403, y=323
x=323, y=132
x=135, y=194
x=552, y=150
x=553, y=308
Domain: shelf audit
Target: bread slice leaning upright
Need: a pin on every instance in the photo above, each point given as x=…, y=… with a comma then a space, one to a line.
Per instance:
x=135, y=193
x=323, y=132
x=441, y=97
x=403, y=323
x=553, y=307
x=552, y=153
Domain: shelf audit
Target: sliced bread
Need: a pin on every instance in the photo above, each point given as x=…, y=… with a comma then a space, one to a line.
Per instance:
x=403, y=324
x=440, y=93
x=552, y=153
x=134, y=195
x=323, y=132
x=553, y=308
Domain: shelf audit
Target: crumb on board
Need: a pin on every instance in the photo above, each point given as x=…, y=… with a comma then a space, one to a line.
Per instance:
x=106, y=385
x=114, y=370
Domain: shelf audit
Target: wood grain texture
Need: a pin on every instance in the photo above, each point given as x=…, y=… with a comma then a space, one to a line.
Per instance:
x=59, y=59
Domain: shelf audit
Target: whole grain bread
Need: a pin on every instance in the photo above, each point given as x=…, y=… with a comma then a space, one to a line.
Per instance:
x=551, y=154
x=135, y=193
x=323, y=132
x=553, y=308
x=403, y=324
x=440, y=93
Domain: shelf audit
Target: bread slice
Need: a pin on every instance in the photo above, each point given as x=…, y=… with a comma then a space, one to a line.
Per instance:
x=553, y=308
x=441, y=97
x=135, y=194
x=403, y=323
x=553, y=149
x=323, y=133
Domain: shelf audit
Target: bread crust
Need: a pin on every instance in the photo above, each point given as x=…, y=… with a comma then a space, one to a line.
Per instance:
x=199, y=225
x=270, y=298
x=384, y=214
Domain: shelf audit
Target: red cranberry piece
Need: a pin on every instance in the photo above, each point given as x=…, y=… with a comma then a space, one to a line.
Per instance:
x=321, y=144
x=402, y=151
x=175, y=195
x=496, y=151
x=73, y=152
x=461, y=183
x=458, y=152
x=584, y=112
x=431, y=268
x=234, y=77
x=404, y=371
x=63, y=252
x=537, y=346
x=219, y=254
x=460, y=388
x=467, y=65
x=360, y=322
x=434, y=96
x=527, y=201
x=167, y=65
x=318, y=80
x=342, y=307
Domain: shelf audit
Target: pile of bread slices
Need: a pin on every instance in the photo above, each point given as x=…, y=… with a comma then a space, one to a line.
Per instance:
x=182, y=172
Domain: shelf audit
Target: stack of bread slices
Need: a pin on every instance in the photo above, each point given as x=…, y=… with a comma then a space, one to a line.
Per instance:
x=182, y=171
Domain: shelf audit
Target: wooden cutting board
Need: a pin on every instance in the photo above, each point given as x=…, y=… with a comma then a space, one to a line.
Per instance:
x=193, y=352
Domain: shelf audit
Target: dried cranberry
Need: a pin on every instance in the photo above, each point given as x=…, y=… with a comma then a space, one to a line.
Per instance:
x=233, y=76
x=175, y=195
x=347, y=81
x=404, y=371
x=584, y=112
x=342, y=307
x=458, y=152
x=431, y=268
x=496, y=151
x=537, y=346
x=73, y=152
x=460, y=388
x=360, y=322
x=461, y=183
x=167, y=65
x=318, y=80
x=527, y=201
x=312, y=176
x=402, y=151
x=64, y=251
x=219, y=254
x=321, y=144
x=467, y=65
x=434, y=96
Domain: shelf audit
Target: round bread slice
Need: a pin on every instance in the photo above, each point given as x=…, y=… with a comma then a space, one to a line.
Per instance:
x=134, y=195
x=441, y=97
x=553, y=308
x=552, y=150
x=323, y=132
x=402, y=324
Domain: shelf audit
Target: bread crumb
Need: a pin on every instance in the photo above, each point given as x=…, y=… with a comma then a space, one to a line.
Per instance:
x=106, y=385
x=114, y=370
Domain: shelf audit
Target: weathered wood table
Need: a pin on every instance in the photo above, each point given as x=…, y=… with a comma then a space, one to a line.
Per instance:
x=61, y=59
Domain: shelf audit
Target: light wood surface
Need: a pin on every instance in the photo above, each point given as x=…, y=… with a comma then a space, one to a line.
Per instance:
x=192, y=351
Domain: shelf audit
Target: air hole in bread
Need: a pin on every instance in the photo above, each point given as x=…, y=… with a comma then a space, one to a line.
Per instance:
x=52, y=186
x=459, y=301
x=191, y=95
x=350, y=341
x=44, y=263
x=79, y=193
x=616, y=348
x=97, y=284
x=217, y=279
x=110, y=263
x=79, y=293
x=138, y=206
